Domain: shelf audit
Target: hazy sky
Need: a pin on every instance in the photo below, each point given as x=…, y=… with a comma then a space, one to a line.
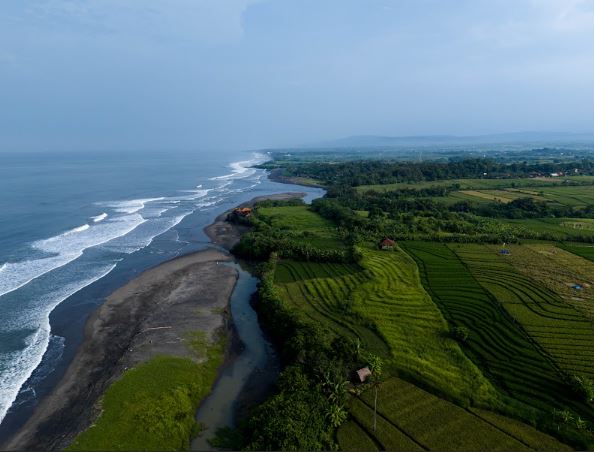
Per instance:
x=197, y=74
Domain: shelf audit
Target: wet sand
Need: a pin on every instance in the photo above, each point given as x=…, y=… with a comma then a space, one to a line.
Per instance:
x=148, y=316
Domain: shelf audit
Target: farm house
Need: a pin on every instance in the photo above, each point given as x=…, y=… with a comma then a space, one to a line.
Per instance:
x=362, y=374
x=387, y=244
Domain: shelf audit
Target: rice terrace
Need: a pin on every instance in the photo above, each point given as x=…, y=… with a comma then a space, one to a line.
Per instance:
x=467, y=303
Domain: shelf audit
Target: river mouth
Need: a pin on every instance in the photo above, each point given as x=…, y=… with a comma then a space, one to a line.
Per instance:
x=247, y=377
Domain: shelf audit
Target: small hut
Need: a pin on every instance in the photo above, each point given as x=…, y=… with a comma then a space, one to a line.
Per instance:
x=504, y=251
x=363, y=374
x=387, y=244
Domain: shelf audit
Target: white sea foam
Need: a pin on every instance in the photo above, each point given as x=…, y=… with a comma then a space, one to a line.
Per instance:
x=84, y=227
x=129, y=206
x=99, y=218
x=142, y=236
x=243, y=169
x=64, y=248
x=19, y=365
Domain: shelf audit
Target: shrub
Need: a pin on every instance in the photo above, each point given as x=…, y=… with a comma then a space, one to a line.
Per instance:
x=583, y=387
x=460, y=333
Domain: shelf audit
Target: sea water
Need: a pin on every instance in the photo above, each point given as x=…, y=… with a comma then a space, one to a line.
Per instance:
x=74, y=226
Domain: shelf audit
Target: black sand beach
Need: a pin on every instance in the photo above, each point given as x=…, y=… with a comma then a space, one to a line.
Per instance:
x=146, y=317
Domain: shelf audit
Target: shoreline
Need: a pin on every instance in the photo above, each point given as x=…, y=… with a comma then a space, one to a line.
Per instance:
x=129, y=328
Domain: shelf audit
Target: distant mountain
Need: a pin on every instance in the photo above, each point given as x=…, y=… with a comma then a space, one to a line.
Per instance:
x=519, y=137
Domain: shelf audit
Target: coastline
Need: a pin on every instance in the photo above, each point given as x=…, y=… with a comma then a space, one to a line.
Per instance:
x=144, y=318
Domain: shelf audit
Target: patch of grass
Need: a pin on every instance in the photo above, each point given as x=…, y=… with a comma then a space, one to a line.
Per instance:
x=303, y=224
x=152, y=407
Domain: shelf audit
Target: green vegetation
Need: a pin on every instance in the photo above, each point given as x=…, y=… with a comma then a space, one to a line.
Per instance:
x=558, y=328
x=583, y=250
x=152, y=406
x=470, y=304
x=423, y=421
x=494, y=336
x=481, y=184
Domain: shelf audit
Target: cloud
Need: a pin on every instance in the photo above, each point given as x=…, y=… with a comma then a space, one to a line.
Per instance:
x=196, y=21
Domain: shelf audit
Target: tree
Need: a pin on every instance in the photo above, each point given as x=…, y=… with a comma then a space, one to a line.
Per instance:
x=375, y=364
x=460, y=333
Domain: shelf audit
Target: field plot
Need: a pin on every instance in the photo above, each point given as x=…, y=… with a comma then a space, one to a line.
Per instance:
x=566, y=274
x=569, y=196
x=387, y=290
x=561, y=330
x=323, y=291
x=489, y=195
x=485, y=184
x=496, y=343
x=299, y=220
x=419, y=420
x=580, y=249
x=417, y=333
x=558, y=229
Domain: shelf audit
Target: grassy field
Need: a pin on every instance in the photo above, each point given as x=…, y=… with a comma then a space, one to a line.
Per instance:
x=496, y=343
x=152, y=407
x=410, y=418
x=483, y=184
x=562, y=331
x=300, y=221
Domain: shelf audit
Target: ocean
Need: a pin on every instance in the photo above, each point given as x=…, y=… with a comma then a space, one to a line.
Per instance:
x=75, y=226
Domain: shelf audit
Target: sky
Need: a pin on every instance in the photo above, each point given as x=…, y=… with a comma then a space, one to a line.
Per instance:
x=245, y=74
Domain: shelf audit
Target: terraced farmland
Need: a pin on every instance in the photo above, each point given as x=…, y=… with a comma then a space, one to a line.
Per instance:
x=323, y=292
x=394, y=299
x=559, y=270
x=558, y=328
x=410, y=418
x=412, y=331
x=497, y=344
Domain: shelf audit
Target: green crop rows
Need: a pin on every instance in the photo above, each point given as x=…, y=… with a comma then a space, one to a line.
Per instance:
x=556, y=326
x=425, y=421
x=497, y=343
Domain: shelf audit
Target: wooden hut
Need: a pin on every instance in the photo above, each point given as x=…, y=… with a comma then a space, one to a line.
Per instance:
x=387, y=244
x=363, y=374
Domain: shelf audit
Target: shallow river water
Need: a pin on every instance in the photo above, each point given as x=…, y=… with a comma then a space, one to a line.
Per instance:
x=218, y=409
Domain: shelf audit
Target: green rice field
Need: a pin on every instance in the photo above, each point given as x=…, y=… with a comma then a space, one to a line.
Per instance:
x=497, y=343
x=563, y=332
x=410, y=418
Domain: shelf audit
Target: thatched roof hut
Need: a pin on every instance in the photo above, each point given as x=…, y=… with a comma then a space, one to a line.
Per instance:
x=363, y=374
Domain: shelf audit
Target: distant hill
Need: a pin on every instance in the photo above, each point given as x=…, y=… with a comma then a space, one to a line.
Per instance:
x=519, y=137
